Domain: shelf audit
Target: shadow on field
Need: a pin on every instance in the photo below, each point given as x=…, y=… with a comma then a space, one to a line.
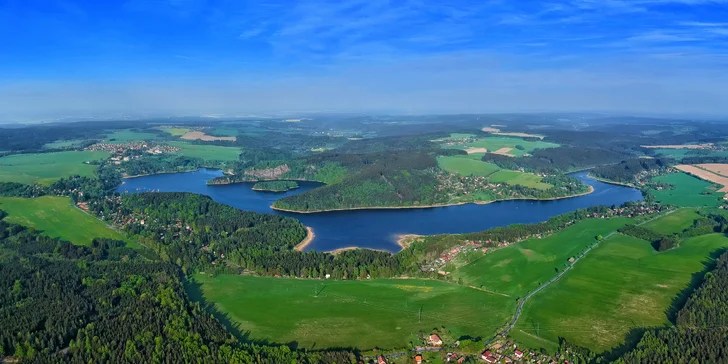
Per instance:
x=193, y=290
x=697, y=279
x=631, y=340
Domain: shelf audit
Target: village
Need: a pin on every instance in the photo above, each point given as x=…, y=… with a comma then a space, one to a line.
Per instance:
x=123, y=152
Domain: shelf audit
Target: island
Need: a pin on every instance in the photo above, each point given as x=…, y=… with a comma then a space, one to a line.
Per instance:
x=275, y=186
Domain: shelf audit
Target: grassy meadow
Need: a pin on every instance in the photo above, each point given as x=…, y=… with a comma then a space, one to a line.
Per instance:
x=519, y=178
x=465, y=166
x=207, y=152
x=57, y=218
x=682, y=153
x=673, y=223
x=621, y=285
x=689, y=191
x=128, y=135
x=178, y=132
x=62, y=144
x=45, y=168
x=520, y=268
x=364, y=314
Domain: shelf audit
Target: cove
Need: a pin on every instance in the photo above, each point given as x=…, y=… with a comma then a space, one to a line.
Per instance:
x=378, y=229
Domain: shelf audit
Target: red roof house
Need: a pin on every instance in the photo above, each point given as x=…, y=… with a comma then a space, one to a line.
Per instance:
x=519, y=354
x=434, y=339
x=418, y=358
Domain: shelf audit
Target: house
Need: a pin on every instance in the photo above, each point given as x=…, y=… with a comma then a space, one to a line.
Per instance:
x=489, y=359
x=434, y=339
x=519, y=354
x=418, y=359
x=381, y=360
x=508, y=360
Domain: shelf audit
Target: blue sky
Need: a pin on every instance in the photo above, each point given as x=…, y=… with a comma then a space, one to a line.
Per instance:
x=66, y=57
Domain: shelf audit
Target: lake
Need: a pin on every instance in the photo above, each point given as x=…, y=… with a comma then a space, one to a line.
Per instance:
x=378, y=229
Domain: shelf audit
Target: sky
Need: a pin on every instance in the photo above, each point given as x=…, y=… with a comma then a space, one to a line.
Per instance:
x=62, y=58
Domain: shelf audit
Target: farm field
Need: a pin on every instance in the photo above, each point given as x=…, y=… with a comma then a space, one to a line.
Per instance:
x=200, y=135
x=623, y=284
x=519, y=178
x=128, y=135
x=689, y=191
x=703, y=174
x=45, y=168
x=682, y=153
x=522, y=267
x=675, y=222
x=58, y=219
x=207, y=152
x=174, y=131
x=465, y=166
x=495, y=143
x=364, y=314
x=225, y=132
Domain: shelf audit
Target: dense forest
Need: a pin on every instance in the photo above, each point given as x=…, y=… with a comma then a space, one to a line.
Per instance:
x=632, y=170
x=275, y=186
x=558, y=160
x=65, y=304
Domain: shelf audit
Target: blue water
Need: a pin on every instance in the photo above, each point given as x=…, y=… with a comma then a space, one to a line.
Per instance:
x=377, y=229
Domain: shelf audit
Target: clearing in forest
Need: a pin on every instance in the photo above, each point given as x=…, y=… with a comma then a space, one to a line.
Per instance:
x=532, y=262
x=383, y=313
x=46, y=168
x=466, y=166
x=57, y=218
x=621, y=285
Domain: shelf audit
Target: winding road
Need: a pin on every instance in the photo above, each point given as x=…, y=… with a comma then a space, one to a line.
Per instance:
x=540, y=288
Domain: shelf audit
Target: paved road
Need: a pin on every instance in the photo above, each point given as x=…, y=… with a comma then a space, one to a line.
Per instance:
x=539, y=289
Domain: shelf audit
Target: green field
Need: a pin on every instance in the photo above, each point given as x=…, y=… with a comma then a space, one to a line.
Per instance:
x=682, y=153
x=621, y=285
x=689, y=191
x=128, y=135
x=207, y=152
x=363, y=314
x=673, y=223
x=61, y=144
x=493, y=143
x=45, y=168
x=174, y=131
x=520, y=268
x=465, y=166
x=224, y=132
x=57, y=218
x=519, y=178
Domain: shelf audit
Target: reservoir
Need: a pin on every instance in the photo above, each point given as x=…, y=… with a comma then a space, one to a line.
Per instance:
x=378, y=229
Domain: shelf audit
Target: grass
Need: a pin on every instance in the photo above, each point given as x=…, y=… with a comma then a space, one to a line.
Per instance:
x=621, y=285
x=61, y=144
x=519, y=178
x=174, y=131
x=520, y=268
x=45, y=168
x=207, y=152
x=493, y=143
x=682, y=153
x=689, y=191
x=463, y=165
x=675, y=222
x=363, y=314
x=128, y=135
x=57, y=218
x=224, y=132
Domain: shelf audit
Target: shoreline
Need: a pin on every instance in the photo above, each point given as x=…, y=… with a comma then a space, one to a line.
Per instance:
x=306, y=241
x=610, y=182
x=158, y=173
x=262, y=180
x=350, y=248
x=276, y=191
x=405, y=240
x=589, y=191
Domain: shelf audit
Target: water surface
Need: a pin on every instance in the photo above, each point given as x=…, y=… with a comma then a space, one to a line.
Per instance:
x=377, y=229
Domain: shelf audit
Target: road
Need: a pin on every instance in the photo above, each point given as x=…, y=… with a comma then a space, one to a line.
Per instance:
x=540, y=288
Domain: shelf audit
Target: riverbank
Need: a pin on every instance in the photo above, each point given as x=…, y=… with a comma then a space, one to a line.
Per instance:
x=405, y=240
x=590, y=190
x=350, y=248
x=305, y=242
x=610, y=182
x=157, y=173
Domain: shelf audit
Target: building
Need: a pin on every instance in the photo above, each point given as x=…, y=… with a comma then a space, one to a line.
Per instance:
x=519, y=354
x=488, y=357
x=434, y=339
x=418, y=359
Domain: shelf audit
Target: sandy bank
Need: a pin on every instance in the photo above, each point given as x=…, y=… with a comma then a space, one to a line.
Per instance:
x=405, y=240
x=349, y=248
x=305, y=242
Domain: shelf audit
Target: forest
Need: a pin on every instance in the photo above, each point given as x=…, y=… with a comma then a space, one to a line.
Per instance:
x=558, y=160
x=631, y=170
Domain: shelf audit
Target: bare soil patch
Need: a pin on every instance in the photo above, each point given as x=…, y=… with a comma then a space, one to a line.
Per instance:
x=490, y=130
x=496, y=131
x=198, y=135
x=706, y=175
x=683, y=146
x=504, y=151
x=476, y=150
x=717, y=168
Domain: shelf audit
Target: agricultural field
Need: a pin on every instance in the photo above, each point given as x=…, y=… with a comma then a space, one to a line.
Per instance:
x=673, y=223
x=522, y=267
x=621, y=285
x=174, y=131
x=62, y=144
x=225, y=132
x=364, y=314
x=688, y=191
x=57, y=218
x=128, y=135
x=207, y=152
x=519, y=178
x=679, y=154
x=45, y=168
x=502, y=144
x=465, y=166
